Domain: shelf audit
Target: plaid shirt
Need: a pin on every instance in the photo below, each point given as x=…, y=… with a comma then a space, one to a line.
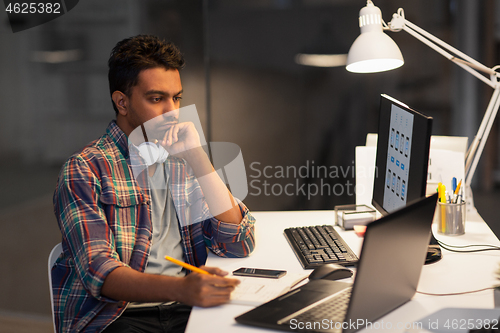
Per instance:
x=105, y=220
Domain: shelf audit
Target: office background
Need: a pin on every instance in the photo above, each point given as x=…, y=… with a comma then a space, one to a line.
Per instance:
x=242, y=76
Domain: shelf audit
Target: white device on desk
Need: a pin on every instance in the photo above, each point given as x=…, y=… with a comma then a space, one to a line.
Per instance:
x=365, y=163
x=381, y=284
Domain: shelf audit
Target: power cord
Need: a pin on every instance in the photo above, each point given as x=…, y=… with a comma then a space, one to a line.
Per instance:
x=461, y=248
x=455, y=294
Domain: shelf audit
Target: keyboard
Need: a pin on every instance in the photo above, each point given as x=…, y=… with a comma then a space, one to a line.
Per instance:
x=334, y=308
x=318, y=245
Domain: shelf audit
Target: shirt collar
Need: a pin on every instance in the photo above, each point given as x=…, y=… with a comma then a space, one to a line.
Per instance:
x=118, y=137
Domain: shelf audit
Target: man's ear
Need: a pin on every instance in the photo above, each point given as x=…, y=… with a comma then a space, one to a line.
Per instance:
x=121, y=101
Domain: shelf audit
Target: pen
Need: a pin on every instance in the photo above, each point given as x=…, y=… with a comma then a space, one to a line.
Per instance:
x=187, y=266
x=454, y=184
x=460, y=196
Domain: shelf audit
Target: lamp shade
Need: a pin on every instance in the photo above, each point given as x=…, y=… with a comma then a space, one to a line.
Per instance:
x=373, y=51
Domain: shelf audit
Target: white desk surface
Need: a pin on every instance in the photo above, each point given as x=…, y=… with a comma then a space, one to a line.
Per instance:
x=456, y=272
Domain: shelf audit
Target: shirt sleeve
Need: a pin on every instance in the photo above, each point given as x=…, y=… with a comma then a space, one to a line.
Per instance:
x=224, y=239
x=84, y=227
x=228, y=239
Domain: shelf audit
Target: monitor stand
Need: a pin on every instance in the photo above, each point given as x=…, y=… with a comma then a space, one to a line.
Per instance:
x=433, y=251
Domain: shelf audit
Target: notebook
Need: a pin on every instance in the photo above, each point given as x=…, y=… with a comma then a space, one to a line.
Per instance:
x=391, y=259
x=255, y=291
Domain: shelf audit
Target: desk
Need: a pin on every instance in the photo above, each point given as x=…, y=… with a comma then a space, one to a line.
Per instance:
x=454, y=273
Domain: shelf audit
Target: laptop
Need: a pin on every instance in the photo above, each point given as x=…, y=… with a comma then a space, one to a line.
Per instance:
x=391, y=259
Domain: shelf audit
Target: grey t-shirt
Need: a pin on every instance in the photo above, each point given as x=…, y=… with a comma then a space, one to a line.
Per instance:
x=166, y=235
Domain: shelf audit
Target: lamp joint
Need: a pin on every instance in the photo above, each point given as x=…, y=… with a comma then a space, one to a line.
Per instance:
x=398, y=21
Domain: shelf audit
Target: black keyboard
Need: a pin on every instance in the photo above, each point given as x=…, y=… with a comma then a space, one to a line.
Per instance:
x=318, y=245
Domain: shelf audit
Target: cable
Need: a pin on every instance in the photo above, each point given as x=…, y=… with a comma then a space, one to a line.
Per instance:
x=455, y=248
x=455, y=294
x=462, y=246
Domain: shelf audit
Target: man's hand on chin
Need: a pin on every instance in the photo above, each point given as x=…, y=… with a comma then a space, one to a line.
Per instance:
x=182, y=140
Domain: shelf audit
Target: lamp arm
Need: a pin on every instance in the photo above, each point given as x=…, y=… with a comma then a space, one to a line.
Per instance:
x=468, y=66
x=473, y=63
x=477, y=145
x=399, y=23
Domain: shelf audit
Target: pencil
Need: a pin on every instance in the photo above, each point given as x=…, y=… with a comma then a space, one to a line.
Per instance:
x=457, y=190
x=187, y=266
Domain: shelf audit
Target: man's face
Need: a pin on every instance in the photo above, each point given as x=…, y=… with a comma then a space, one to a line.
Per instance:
x=156, y=97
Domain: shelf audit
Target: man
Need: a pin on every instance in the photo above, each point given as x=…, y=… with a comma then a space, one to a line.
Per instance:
x=117, y=224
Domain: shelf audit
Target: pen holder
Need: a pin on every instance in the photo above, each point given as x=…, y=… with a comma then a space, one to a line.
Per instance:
x=450, y=218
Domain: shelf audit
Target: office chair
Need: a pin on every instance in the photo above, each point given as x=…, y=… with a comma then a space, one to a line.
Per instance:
x=54, y=254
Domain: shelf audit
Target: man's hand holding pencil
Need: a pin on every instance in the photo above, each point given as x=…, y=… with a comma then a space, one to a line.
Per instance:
x=206, y=286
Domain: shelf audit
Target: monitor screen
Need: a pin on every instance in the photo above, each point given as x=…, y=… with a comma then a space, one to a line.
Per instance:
x=404, y=137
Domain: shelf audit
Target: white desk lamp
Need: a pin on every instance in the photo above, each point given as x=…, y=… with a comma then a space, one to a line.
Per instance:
x=374, y=51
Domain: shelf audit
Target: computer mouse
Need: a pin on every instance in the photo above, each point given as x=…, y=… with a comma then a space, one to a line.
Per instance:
x=330, y=272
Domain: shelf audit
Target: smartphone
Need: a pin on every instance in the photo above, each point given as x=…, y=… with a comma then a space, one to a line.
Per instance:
x=258, y=272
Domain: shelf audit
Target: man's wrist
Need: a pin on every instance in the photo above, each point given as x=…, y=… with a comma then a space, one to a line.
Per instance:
x=197, y=157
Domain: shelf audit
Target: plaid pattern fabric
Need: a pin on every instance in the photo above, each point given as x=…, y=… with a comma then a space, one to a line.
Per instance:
x=105, y=220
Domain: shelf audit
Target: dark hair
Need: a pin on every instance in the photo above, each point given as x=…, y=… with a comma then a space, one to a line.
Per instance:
x=132, y=55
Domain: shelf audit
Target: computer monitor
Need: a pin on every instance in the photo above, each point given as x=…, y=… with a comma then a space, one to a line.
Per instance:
x=404, y=137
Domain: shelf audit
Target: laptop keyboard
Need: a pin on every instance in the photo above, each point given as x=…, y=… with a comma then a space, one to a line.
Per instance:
x=318, y=245
x=333, y=309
